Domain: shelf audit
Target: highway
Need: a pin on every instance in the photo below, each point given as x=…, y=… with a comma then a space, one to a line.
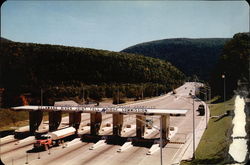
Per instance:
x=77, y=152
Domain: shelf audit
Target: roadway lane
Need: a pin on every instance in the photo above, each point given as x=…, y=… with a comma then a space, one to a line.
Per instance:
x=82, y=150
x=106, y=154
x=137, y=155
x=17, y=153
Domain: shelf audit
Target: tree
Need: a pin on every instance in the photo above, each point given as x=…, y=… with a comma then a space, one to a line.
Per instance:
x=234, y=63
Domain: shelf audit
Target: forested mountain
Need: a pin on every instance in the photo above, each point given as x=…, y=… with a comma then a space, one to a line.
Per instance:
x=233, y=63
x=4, y=40
x=192, y=56
x=27, y=67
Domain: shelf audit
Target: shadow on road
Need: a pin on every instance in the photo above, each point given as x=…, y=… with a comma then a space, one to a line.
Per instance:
x=117, y=140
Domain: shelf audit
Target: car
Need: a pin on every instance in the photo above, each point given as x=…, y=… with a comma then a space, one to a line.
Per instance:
x=201, y=110
x=201, y=106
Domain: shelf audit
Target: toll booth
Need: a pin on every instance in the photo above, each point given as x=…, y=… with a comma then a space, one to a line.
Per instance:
x=55, y=117
x=75, y=119
x=95, y=123
x=35, y=120
x=117, y=124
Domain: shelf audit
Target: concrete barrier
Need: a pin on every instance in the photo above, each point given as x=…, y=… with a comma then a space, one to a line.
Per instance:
x=172, y=132
x=148, y=132
x=30, y=139
x=73, y=142
x=23, y=129
x=125, y=146
x=128, y=129
x=104, y=129
x=153, y=149
x=7, y=139
x=85, y=128
x=98, y=144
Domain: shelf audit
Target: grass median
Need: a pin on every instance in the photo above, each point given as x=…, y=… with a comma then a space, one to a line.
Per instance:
x=214, y=144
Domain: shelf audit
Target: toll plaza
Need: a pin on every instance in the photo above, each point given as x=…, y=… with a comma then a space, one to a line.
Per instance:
x=96, y=113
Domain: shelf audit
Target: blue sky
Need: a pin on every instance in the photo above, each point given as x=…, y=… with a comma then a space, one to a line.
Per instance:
x=115, y=25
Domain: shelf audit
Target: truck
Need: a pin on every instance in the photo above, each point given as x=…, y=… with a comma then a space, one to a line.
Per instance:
x=55, y=138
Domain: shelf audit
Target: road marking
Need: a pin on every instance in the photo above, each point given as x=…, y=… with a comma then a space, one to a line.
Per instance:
x=177, y=142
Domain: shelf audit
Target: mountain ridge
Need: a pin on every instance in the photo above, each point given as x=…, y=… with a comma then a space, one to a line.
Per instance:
x=203, y=53
x=2, y=39
x=28, y=67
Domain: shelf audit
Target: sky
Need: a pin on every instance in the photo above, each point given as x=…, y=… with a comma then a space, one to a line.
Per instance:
x=116, y=25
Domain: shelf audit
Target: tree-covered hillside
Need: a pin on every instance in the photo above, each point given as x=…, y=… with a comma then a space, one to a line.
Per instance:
x=4, y=40
x=192, y=56
x=233, y=63
x=27, y=67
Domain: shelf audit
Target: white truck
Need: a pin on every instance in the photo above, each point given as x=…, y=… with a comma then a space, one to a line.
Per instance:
x=54, y=138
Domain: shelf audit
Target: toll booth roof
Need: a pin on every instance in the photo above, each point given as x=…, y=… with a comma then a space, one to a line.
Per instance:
x=110, y=110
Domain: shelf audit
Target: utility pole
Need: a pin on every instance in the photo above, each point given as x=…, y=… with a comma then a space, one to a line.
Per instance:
x=27, y=158
x=193, y=129
x=156, y=89
x=206, y=108
x=38, y=156
x=249, y=55
x=209, y=93
x=82, y=95
x=224, y=80
x=161, y=138
x=249, y=62
x=41, y=96
x=118, y=101
x=142, y=92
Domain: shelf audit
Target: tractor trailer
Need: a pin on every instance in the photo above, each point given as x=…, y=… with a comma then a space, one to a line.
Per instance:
x=54, y=138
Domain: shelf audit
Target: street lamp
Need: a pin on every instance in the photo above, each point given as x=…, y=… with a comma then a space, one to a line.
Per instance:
x=209, y=92
x=161, y=139
x=224, y=78
x=206, y=109
x=193, y=129
x=194, y=97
